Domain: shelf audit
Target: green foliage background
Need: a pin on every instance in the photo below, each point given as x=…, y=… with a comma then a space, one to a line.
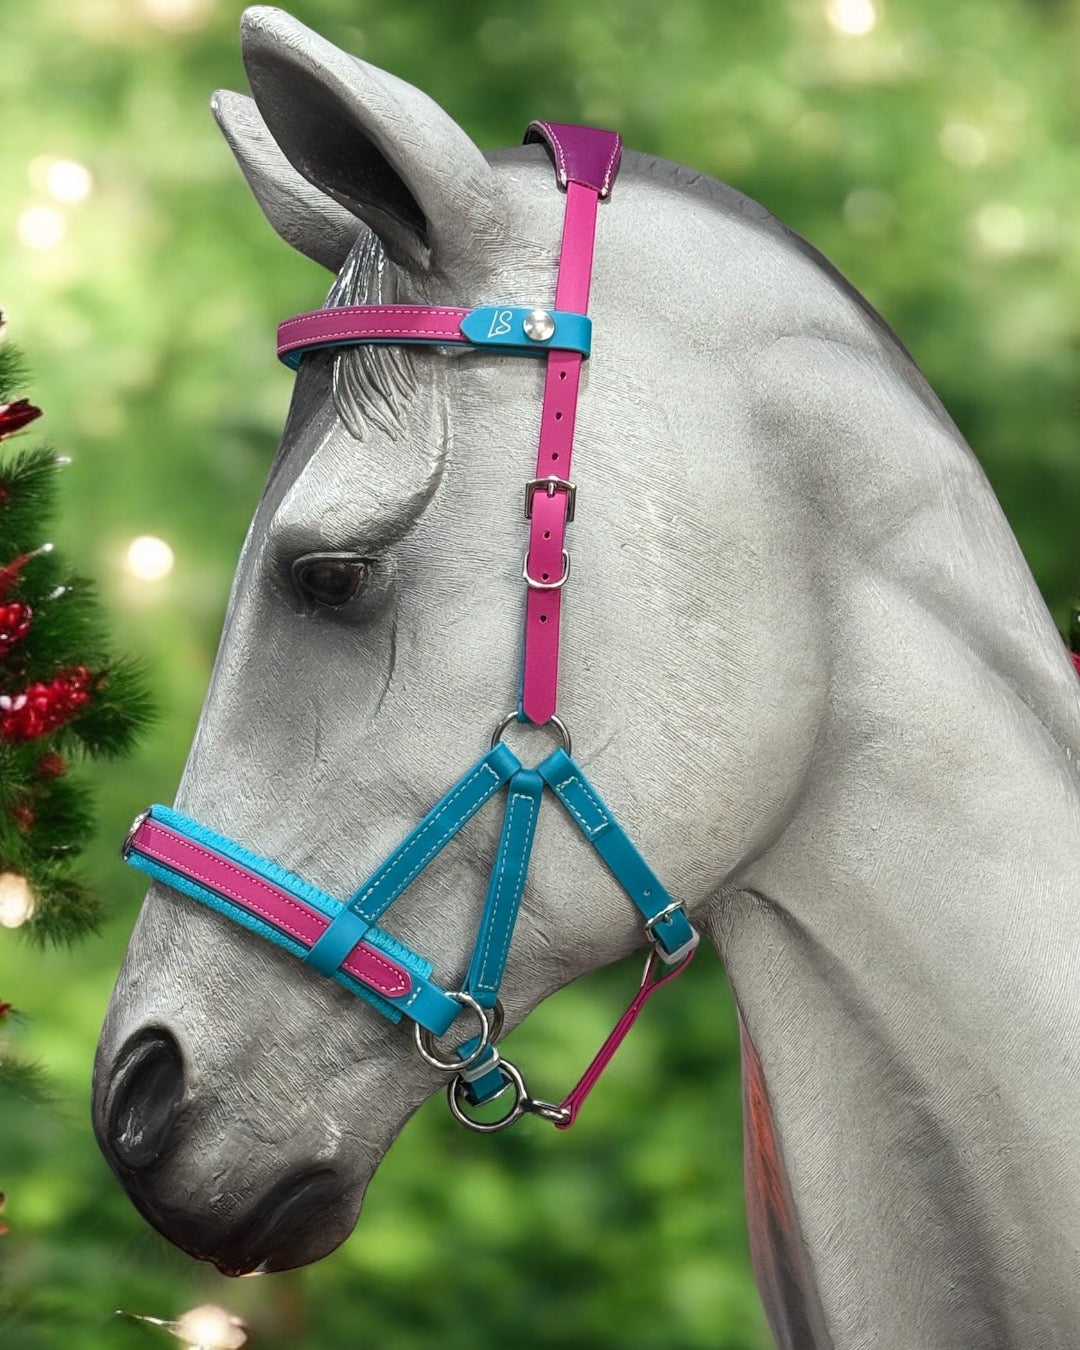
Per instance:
x=934, y=160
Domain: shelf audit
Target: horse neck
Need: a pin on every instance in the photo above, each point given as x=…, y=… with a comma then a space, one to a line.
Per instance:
x=905, y=956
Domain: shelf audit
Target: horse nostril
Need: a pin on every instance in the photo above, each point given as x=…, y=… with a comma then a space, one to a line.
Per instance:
x=148, y=1086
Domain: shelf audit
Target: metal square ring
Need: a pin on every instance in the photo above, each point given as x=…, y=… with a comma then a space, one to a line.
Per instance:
x=535, y=585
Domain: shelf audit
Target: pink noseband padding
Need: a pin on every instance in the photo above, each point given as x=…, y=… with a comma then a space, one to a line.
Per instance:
x=267, y=901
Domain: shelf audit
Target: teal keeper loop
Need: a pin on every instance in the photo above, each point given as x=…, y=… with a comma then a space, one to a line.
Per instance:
x=337, y=942
x=482, y=1087
x=504, y=326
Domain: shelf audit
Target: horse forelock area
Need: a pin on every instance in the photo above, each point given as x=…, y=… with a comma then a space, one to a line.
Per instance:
x=372, y=384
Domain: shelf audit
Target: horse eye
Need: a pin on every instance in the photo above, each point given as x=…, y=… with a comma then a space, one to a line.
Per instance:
x=329, y=579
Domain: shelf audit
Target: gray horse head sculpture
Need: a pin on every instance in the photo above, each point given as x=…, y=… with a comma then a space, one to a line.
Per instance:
x=802, y=655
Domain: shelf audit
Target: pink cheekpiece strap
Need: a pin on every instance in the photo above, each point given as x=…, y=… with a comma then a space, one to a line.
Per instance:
x=586, y=161
x=575, y=1098
x=267, y=901
x=389, y=323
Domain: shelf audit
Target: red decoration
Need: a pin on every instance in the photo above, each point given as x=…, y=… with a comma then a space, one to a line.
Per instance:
x=24, y=817
x=5, y=1008
x=15, y=416
x=15, y=620
x=1076, y=661
x=51, y=765
x=10, y=573
x=42, y=708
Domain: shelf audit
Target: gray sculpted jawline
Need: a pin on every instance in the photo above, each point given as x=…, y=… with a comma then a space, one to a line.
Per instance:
x=780, y=667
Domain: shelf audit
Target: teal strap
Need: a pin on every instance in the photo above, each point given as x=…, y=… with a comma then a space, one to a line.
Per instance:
x=337, y=942
x=673, y=933
x=505, y=890
x=506, y=887
x=484, y=1080
x=438, y=827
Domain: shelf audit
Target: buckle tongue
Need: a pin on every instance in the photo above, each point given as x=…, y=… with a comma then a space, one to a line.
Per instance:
x=550, y=485
x=671, y=958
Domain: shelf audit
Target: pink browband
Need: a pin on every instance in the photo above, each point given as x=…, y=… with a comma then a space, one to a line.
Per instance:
x=371, y=323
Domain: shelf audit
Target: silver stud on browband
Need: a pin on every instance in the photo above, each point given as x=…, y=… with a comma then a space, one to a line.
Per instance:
x=539, y=325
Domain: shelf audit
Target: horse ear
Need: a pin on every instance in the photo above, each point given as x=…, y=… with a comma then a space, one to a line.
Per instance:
x=373, y=143
x=306, y=218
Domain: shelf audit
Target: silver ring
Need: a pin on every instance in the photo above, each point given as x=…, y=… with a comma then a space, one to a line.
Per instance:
x=512, y=1077
x=553, y=721
x=425, y=1040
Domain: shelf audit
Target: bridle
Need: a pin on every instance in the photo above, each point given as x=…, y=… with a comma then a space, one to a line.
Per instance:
x=343, y=941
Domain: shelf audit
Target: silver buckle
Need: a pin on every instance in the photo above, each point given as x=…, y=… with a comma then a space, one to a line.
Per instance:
x=680, y=953
x=550, y=485
x=535, y=585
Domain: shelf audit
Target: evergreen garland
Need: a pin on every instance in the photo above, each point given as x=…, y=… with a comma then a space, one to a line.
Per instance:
x=63, y=695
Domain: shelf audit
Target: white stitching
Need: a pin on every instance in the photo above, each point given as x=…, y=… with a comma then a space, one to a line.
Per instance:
x=246, y=903
x=556, y=145
x=594, y=801
x=355, y=311
x=393, y=860
x=515, y=799
x=610, y=167
x=450, y=334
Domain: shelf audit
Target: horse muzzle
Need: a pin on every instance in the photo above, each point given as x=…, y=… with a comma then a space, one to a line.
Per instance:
x=143, y=1119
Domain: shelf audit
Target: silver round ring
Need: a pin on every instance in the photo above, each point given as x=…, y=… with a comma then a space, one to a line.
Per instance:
x=553, y=721
x=513, y=1079
x=425, y=1040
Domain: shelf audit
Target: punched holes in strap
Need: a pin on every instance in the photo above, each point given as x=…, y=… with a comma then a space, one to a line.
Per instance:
x=586, y=162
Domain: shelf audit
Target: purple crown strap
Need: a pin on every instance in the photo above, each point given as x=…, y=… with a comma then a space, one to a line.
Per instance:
x=583, y=155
